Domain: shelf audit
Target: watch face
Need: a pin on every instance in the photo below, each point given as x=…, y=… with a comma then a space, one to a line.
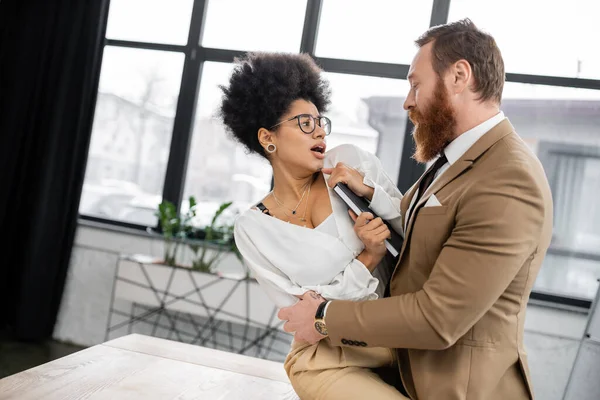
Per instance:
x=321, y=328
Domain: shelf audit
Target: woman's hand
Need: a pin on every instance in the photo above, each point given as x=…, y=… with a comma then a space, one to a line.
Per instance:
x=349, y=176
x=372, y=232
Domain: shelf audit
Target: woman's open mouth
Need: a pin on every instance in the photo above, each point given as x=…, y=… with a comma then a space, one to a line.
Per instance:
x=319, y=151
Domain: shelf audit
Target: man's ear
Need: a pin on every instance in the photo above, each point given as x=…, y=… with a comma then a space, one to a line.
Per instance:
x=461, y=76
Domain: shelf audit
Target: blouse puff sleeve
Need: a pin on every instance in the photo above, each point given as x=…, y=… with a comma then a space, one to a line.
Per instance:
x=355, y=282
x=386, y=197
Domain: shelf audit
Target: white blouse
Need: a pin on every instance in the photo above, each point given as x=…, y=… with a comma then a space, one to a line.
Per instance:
x=288, y=260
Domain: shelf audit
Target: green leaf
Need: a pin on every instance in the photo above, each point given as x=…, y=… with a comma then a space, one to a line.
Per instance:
x=222, y=208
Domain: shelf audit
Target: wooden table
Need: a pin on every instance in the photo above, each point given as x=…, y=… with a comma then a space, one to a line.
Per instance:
x=143, y=367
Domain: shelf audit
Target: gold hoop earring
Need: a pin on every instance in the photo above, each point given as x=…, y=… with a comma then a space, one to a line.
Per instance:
x=271, y=148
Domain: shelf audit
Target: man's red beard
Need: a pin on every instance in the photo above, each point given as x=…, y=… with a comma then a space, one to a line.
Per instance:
x=434, y=126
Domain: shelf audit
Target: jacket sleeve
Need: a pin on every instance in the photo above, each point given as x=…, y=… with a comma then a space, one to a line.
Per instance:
x=483, y=254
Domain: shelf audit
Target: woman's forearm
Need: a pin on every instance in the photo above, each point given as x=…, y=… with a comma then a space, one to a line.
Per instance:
x=369, y=260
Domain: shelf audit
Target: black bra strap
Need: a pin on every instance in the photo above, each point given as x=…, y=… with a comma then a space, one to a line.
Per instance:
x=262, y=208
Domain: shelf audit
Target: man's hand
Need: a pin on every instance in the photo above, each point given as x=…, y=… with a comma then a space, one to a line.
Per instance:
x=301, y=318
x=349, y=176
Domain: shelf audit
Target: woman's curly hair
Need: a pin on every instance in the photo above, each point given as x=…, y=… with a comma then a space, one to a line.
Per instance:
x=262, y=88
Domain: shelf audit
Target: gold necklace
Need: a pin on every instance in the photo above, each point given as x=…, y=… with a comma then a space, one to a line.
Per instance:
x=281, y=205
x=303, y=219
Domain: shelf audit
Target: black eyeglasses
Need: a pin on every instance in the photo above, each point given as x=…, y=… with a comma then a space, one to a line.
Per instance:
x=308, y=123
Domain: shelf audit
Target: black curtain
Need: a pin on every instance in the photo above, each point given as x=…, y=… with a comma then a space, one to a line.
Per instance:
x=50, y=57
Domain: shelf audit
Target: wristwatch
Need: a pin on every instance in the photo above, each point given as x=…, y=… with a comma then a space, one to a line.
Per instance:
x=320, y=319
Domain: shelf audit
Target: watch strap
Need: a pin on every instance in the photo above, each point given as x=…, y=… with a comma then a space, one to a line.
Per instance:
x=320, y=314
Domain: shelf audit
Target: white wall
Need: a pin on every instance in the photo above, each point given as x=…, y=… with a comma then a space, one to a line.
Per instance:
x=83, y=315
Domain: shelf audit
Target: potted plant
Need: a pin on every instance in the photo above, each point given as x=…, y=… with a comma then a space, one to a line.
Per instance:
x=216, y=241
x=208, y=244
x=170, y=227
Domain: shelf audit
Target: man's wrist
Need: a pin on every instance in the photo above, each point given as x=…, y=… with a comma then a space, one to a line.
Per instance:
x=320, y=313
x=320, y=325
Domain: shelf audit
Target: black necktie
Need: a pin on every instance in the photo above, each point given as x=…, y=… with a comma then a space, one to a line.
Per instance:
x=427, y=179
x=423, y=186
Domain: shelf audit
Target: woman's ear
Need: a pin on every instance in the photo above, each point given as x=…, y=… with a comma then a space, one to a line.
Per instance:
x=265, y=137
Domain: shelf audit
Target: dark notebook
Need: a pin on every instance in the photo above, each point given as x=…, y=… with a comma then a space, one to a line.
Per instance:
x=359, y=205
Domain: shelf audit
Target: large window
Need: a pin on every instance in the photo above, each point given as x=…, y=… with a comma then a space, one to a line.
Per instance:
x=155, y=135
x=267, y=25
x=153, y=21
x=540, y=37
x=562, y=125
x=131, y=135
x=378, y=30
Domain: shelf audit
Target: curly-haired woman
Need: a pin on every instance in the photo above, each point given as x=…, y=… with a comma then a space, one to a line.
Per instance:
x=300, y=237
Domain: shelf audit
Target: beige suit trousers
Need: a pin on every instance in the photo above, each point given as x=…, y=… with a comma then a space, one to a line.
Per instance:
x=327, y=372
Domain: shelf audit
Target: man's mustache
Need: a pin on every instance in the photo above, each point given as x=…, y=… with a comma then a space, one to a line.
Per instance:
x=415, y=116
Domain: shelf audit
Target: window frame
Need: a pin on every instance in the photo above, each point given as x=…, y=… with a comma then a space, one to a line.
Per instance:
x=196, y=55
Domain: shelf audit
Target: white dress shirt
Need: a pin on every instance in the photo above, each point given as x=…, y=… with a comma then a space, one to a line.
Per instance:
x=288, y=260
x=458, y=147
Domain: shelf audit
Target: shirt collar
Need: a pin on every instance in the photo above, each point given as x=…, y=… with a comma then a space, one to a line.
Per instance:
x=459, y=146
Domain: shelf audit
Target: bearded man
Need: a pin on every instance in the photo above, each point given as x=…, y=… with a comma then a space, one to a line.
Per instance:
x=476, y=225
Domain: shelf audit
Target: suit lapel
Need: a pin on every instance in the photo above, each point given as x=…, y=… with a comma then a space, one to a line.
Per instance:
x=458, y=168
x=448, y=176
